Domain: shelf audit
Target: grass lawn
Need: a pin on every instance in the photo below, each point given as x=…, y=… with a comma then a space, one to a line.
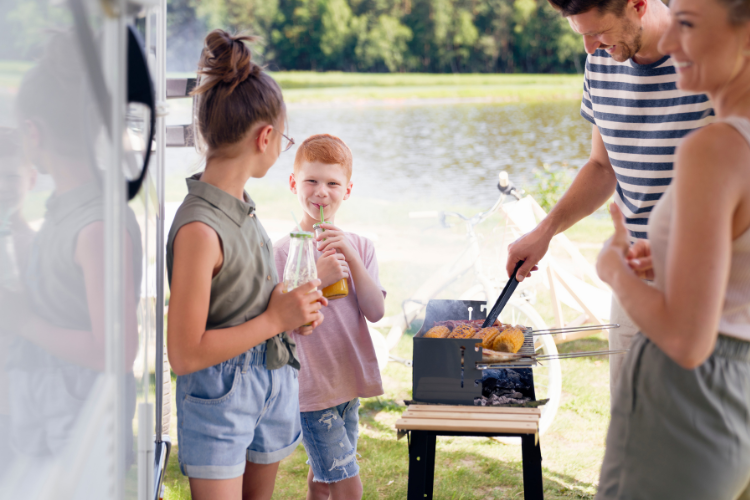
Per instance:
x=312, y=87
x=469, y=468
x=336, y=86
x=306, y=87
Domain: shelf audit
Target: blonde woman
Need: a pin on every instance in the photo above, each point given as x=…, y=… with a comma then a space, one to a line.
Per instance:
x=680, y=424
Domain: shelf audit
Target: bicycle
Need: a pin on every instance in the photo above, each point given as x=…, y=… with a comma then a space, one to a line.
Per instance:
x=519, y=310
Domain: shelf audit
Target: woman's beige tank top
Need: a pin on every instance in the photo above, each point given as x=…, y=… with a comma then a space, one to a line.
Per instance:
x=735, y=316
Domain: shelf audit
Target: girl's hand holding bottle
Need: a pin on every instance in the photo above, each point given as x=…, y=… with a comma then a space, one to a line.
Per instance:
x=301, y=279
x=301, y=306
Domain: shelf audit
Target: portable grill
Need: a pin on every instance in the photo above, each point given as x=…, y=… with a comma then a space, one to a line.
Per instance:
x=448, y=371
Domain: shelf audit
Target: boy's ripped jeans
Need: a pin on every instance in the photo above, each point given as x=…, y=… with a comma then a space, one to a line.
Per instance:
x=330, y=439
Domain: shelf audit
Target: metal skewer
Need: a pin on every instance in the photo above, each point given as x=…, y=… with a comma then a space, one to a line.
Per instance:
x=573, y=329
x=580, y=354
x=526, y=360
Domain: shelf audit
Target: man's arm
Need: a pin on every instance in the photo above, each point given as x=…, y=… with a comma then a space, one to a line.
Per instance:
x=592, y=187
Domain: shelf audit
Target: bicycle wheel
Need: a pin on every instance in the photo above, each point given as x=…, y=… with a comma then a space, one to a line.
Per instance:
x=547, y=376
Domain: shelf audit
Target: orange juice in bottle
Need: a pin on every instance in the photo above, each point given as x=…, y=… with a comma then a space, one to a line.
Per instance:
x=338, y=290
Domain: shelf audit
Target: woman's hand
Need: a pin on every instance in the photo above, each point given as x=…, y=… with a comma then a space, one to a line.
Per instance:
x=297, y=307
x=332, y=267
x=639, y=259
x=612, y=258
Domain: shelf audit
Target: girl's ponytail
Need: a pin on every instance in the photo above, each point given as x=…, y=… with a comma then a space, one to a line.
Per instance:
x=234, y=92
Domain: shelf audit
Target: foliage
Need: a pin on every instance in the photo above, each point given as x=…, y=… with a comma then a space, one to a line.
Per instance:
x=437, y=36
x=434, y=36
x=550, y=185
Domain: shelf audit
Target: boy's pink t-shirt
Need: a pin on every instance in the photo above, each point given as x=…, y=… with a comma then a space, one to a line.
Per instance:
x=337, y=359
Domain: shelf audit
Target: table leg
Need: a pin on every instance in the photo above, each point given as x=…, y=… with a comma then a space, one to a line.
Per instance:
x=421, y=465
x=532, y=468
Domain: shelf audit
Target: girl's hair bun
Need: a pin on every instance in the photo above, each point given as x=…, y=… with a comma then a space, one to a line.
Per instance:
x=233, y=92
x=226, y=59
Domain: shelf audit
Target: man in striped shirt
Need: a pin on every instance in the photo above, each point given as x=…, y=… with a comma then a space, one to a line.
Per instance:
x=638, y=116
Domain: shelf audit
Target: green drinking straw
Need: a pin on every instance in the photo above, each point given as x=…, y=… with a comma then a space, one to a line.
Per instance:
x=322, y=221
x=295, y=221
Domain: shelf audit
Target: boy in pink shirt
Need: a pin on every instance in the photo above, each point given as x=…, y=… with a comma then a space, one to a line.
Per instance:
x=338, y=363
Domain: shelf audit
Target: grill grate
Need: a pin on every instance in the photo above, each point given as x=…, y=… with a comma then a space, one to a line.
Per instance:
x=528, y=357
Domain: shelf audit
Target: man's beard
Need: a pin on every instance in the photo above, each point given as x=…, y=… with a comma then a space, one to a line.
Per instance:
x=628, y=50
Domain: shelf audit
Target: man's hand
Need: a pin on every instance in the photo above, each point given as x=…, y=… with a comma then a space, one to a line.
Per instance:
x=530, y=248
x=639, y=259
x=612, y=258
x=332, y=267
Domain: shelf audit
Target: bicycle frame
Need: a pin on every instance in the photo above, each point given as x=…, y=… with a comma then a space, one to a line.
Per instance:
x=412, y=307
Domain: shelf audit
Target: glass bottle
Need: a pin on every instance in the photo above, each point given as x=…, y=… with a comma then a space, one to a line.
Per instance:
x=300, y=263
x=338, y=290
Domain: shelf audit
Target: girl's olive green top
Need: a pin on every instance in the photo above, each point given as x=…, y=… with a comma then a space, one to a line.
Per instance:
x=242, y=288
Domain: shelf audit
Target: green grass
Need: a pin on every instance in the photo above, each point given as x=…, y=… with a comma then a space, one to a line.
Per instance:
x=468, y=468
x=309, y=87
x=310, y=79
x=313, y=87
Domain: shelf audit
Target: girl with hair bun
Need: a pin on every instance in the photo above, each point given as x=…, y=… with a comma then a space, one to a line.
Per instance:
x=237, y=390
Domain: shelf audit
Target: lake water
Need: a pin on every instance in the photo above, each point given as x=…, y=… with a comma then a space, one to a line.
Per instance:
x=451, y=152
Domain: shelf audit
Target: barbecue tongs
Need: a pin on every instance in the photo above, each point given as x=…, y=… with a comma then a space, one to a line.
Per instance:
x=510, y=287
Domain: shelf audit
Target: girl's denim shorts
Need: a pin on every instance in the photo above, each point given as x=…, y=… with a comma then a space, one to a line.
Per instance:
x=330, y=439
x=234, y=412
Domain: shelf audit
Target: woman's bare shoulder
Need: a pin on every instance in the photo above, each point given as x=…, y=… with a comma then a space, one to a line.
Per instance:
x=718, y=147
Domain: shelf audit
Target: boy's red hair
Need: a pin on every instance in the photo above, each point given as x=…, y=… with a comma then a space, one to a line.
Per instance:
x=325, y=148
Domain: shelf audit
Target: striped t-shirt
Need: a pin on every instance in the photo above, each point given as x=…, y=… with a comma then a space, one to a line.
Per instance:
x=641, y=116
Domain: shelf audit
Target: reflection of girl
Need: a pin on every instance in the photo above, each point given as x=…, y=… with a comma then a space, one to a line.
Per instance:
x=59, y=323
x=680, y=418
x=237, y=401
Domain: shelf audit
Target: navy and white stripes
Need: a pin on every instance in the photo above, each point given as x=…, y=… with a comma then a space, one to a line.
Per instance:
x=641, y=116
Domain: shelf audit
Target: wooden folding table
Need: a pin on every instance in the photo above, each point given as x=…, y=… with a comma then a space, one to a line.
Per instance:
x=426, y=422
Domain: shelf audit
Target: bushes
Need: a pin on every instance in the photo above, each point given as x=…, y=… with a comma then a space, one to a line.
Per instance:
x=437, y=36
x=550, y=185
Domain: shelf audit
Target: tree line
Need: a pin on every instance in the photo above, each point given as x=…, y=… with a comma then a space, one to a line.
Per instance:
x=434, y=36
x=437, y=36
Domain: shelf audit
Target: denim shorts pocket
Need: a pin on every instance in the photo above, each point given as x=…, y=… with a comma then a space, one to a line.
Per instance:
x=221, y=399
x=351, y=405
